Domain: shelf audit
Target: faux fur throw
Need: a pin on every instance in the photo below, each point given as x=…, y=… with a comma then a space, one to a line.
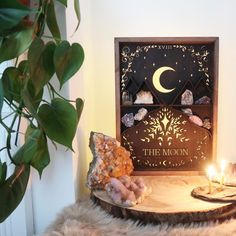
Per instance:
x=87, y=219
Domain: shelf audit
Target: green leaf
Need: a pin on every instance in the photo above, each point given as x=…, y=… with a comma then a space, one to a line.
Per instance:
x=3, y=172
x=31, y=99
x=34, y=151
x=13, y=83
x=16, y=44
x=59, y=121
x=67, y=60
x=64, y=2
x=1, y=97
x=12, y=191
x=77, y=11
x=11, y=13
x=41, y=63
x=79, y=107
x=52, y=22
x=24, y=67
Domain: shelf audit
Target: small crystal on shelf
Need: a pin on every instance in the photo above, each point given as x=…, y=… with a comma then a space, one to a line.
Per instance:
x=127, y=98
x=187, y=97
x=128, y=119
x=144, y=97
x=187, y=111
x=203, y=101
x=141, y=114
x=196, y=120
x=207, y=123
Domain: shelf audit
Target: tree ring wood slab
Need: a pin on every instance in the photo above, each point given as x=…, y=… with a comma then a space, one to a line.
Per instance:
x=170, y=202
x=228, y=194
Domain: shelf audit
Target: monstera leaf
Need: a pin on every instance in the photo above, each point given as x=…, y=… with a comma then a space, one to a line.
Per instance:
x=12, y=191
x=67, y=60
x=59, y=120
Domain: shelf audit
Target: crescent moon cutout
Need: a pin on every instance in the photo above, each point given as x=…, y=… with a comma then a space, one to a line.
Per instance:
x=156, y=79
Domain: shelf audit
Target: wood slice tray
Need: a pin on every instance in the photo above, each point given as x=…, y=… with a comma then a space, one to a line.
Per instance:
x=227, y=194
x=170, y=202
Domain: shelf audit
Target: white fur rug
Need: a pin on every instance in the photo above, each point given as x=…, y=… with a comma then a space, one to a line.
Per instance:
x=87, y=219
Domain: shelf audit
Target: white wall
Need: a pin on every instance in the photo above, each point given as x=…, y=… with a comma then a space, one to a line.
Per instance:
x=102, y=20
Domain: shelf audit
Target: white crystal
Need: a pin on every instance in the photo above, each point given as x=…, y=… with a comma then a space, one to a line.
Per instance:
x=141, y=113
x=144, y=97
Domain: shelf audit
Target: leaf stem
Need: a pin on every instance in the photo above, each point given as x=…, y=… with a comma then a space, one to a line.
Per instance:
x=17, y=130
x=59, y=95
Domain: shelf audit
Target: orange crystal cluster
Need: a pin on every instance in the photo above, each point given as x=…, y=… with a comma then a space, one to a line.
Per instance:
x=109, y=160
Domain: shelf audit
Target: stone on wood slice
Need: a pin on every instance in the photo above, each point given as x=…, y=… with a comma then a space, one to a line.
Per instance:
x=109, y=160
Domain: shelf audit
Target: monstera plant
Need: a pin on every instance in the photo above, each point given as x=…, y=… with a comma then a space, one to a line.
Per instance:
x=51, y=118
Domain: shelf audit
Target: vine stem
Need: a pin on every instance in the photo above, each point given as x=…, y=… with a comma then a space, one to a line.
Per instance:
x=17, y=174
x=50, y=37
x=51, y=94
x=8, y=142
x=11, y=105
x=17, y=130
x=58, y=94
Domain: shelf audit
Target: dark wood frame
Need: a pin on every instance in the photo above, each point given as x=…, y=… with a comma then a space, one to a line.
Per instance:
x=170, y=40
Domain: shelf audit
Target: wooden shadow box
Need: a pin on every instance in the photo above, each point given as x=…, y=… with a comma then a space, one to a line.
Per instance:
x=166, y=102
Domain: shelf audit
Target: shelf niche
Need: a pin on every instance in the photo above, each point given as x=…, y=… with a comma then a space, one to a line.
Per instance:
x=167, y=67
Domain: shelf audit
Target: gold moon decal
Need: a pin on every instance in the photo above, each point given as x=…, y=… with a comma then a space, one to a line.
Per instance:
x=156, y=79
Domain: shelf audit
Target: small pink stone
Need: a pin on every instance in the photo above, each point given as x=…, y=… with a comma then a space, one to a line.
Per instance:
x=196, y=120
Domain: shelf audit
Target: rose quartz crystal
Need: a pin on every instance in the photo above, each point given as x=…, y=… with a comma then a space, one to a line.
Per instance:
x=127, y=192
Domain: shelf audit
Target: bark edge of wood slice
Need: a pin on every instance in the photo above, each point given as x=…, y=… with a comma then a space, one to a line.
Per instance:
x=171, y=202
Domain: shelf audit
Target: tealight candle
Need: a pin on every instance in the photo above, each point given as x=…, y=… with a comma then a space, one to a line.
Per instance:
x=210, y=173
x=222, y=173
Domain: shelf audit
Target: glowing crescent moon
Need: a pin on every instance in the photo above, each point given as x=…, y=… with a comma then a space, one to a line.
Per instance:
x=156, y=79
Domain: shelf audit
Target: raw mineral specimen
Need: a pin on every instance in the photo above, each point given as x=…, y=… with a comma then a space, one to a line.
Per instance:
x=187, y=111
x=196, y=120
x=187, y=98
x=128, y=119
x=144, y=97
x=109, y=160
x=141, y=113
x=207, y=123
x=127, y=192
x=203, y=100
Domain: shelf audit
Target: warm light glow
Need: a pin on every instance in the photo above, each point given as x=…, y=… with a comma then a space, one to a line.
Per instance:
x=222, y=168
x=211, y=172
x=222, y=165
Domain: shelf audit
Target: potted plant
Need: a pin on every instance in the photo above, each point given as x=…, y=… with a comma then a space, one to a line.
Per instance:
x=22, y=88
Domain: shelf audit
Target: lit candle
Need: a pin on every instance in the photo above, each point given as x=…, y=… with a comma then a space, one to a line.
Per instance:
x=222, y=173
x=210, y=173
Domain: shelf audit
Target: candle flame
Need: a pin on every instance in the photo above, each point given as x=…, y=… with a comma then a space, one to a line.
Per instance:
x=211, y=172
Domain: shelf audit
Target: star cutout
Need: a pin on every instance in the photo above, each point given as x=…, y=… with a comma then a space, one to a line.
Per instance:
x=165, y=121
